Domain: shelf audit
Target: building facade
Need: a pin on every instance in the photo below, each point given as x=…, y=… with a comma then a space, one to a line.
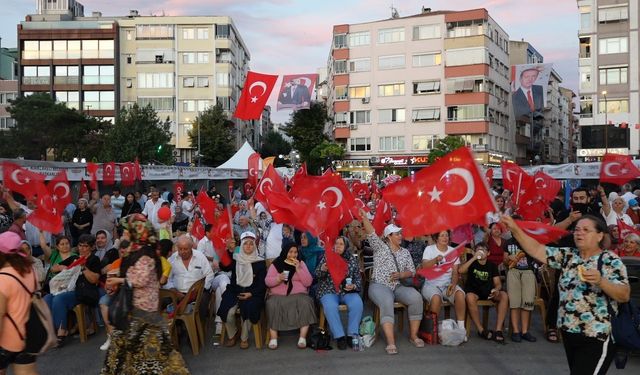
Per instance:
x=609, y=77
x=396, y=86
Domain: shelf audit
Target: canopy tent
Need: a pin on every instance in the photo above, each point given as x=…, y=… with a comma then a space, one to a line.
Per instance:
x=240, y=160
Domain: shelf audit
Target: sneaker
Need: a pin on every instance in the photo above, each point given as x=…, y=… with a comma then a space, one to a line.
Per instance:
x=106, y=344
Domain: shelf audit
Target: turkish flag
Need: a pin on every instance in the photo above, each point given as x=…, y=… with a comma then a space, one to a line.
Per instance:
x=197, y=230
x=109, y=173
x=83, y=188
x=60, y=191
x=254, y=96
x=383, y=214
x=46, y=217
x=450, y=192
x=373, y=186
x=91, y=170
x=360, y=189
x=138, y=170
x=128, y=174
x=489, y=176
x=253, y=165
x=448, y=262
x=625, y=229
x=462, y=233
x=270, y=181
x=532, y=206
x=223, y=231
x=516, y=180
x=207, y=207
x=300, y=175
x=547, y=186
x=22, y=180
x=336, y=264
x=618, y=169
x=541, y=232
x=360, y=204
x=282, y=208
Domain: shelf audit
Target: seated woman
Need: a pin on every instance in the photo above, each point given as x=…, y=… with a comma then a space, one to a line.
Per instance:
x=289, y=305
x=58, y=257
x=245, y=292
x=483, y=283
x=348, y=295
x=446, y=286
x=630, y=246
x=310, y=251
x=62, y=303
x=391, y=263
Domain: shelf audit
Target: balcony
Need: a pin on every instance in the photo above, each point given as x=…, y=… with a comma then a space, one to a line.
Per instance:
x=522, y=139
x=36, y=80
x=62, y=80
x=479, y=148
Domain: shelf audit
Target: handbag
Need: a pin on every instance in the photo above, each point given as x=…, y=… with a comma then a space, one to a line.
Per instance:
x=428, y=330
x=319, y=339
x=368, y=331
x=120, y=307
x=86, y=292
x=416, y=281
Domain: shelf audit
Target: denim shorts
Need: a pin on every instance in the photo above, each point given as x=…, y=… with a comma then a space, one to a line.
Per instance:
x=21, y=358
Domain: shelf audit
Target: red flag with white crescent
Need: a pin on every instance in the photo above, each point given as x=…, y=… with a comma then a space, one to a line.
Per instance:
x=270, y=181
x=22, y=180
x=626, y=229
x=109, y=173
x=92, y=169
x=128, y=174
x=83, y=188
x=383, y=215
x=547, y=186
x=618, y=169
x=46, y=217
x=254, y=96
x=197, y=230
x=447, y=263
x=336, y=264
x=60, y=190
x=253, y=166
x=541, y=232
x=207, y=207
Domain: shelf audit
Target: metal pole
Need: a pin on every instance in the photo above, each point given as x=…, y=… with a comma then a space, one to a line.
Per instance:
x=199, y=157
x=606, y=124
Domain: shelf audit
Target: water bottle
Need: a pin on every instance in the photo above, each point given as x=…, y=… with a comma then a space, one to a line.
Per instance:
x=355, y=343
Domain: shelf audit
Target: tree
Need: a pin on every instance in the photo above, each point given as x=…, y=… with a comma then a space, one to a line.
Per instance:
x=445, y=146
x=325, y=153
x=217, y=143
x=274, y=145
x=139, y=133
x=306, y=129
x=44, y=126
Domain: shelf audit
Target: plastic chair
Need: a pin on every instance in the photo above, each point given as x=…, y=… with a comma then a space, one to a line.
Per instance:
x=191, y=319
x=81, y=312
x=257, y=330
x=321, y=318
x=397, y=306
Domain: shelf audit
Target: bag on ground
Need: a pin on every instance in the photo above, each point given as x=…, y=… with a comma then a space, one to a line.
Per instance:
x=319, y=339
x=428, y=330
x=368, y=331
x=449, y=333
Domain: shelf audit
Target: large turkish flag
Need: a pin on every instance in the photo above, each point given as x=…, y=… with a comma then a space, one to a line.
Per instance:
x=254, y=96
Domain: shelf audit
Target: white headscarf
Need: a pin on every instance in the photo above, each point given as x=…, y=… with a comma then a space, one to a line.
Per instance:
x=244, y=270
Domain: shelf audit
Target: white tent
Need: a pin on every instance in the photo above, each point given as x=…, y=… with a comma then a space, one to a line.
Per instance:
x=241, y=158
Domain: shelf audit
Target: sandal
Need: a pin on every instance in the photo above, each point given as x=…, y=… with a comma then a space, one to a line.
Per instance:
x=417, y=342
x=302, y=343
x=244, y=344
x=273, y=344
x=486, y=334
x=498, y=337
x=552, y=335
x=391, y=349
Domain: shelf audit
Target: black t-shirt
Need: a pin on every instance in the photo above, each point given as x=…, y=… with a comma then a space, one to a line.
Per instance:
x=524, y=263
x=92, y=264
x=480, y=277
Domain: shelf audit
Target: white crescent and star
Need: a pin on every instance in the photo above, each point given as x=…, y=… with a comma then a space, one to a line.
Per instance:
x=253, y=172
x=468, y=179
x=537, y=232
x=15, y=177
x=264, y=182
x=254, y=98
x=543, y=186
x=62, y=185
x=338, y=194
x=607, y=169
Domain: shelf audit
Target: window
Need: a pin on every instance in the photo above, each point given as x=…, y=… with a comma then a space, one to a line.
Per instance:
x=468, y=28
x=359, y=92
x=586, y=106
x=585, y=47
x=188, y=34
x=427, y=59
x=223, y=31
x=203, y=81
x=129, y=34
x=391, y=62
x=428, y=87
x=202, y=34
x=425, y=114
x=393, y=89
x=341, y=118
x=467, y=56
x=360, y=117
x=426, y=32
x=154, y=32
x=340, y=66
x=224, y=102
x=70, y=98
x=585, y=17
x=155, y=80
x=164, y=103
x=188, y=105
x=99, y=100
x=360, y=144
x=188, y=82
x=424, y=142
x=340, y=41
x=98, y=75
x=466, y=112
x=614, y=106
x=341, y=93
x=394, y=143
x=7, y=122
x=361, y=38
x=391, y=115
x=6, y=97
x=222, y=79
x=614, y=45
x=202, y=105
x=613, y=14
x=67, y=74
x=613, y=76
x=129, y=83
x=36, y=75
x=473, y=84
x=202, y=57
x=195, y=58
x=360, y=65
x=585, y=77
x=391, y=35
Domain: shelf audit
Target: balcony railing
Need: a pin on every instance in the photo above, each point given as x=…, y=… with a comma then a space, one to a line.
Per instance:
x=63, y=80
x=36, y=80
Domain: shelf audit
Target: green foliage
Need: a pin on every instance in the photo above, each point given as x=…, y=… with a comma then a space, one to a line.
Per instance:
x=274, y=145
x=326, y=152
x=138, y=132
x=43, y=126
x=306, y=129
x=445, y=146
x=217, y=143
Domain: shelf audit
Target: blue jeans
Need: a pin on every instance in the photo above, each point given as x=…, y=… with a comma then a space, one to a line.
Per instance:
x=60, y=305
x=330, y=304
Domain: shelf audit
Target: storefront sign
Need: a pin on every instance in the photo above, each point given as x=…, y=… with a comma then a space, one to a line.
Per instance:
x=400, y=160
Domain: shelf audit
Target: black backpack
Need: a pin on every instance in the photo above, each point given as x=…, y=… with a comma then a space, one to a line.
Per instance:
x=319, y=339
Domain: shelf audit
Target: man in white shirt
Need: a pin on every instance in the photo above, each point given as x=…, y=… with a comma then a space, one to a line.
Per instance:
x=117, y=202
x=187, y=205
x=151, y=208
x=627, y=193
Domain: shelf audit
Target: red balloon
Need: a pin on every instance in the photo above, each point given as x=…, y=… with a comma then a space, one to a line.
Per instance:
x=164, y=213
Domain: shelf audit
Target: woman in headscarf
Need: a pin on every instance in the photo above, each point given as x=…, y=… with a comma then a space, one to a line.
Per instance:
x=348, y=294
x=310, y=251
x=245, y=292
x=144, y=347
x=289, y=306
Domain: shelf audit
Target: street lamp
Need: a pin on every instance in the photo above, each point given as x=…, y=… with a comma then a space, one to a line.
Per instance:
x=606, y=123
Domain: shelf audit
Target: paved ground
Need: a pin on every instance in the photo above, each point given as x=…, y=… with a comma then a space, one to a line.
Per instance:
x=475, y=357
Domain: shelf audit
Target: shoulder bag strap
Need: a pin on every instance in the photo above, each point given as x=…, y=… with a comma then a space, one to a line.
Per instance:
x=609, y=307
x=7, y=313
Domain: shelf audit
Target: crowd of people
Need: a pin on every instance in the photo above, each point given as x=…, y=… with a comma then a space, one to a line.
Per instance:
x=274, y=269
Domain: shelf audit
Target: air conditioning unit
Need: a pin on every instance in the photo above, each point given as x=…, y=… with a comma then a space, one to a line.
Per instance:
x=366, y=100
x=353, y=126
x=159, y=59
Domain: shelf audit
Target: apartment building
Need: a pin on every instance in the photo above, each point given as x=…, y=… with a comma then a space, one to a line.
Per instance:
x=396, y=86
x=8, y=84
x=178, y=65
x=609, y=77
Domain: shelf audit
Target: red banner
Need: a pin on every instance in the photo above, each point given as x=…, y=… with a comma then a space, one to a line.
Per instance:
x=178, y=189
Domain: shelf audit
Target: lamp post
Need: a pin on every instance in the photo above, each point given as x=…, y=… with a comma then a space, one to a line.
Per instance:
x=199, y=156
x=606, y=124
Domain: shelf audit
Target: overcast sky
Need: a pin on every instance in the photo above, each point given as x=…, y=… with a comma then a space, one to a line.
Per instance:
x=294, y=36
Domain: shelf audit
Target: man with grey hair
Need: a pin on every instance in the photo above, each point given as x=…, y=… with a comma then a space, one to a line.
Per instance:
x=151, y=208
x=627, y=194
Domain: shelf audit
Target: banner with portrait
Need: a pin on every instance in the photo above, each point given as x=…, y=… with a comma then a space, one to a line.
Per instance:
x=296, y=91
x=529, y=88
